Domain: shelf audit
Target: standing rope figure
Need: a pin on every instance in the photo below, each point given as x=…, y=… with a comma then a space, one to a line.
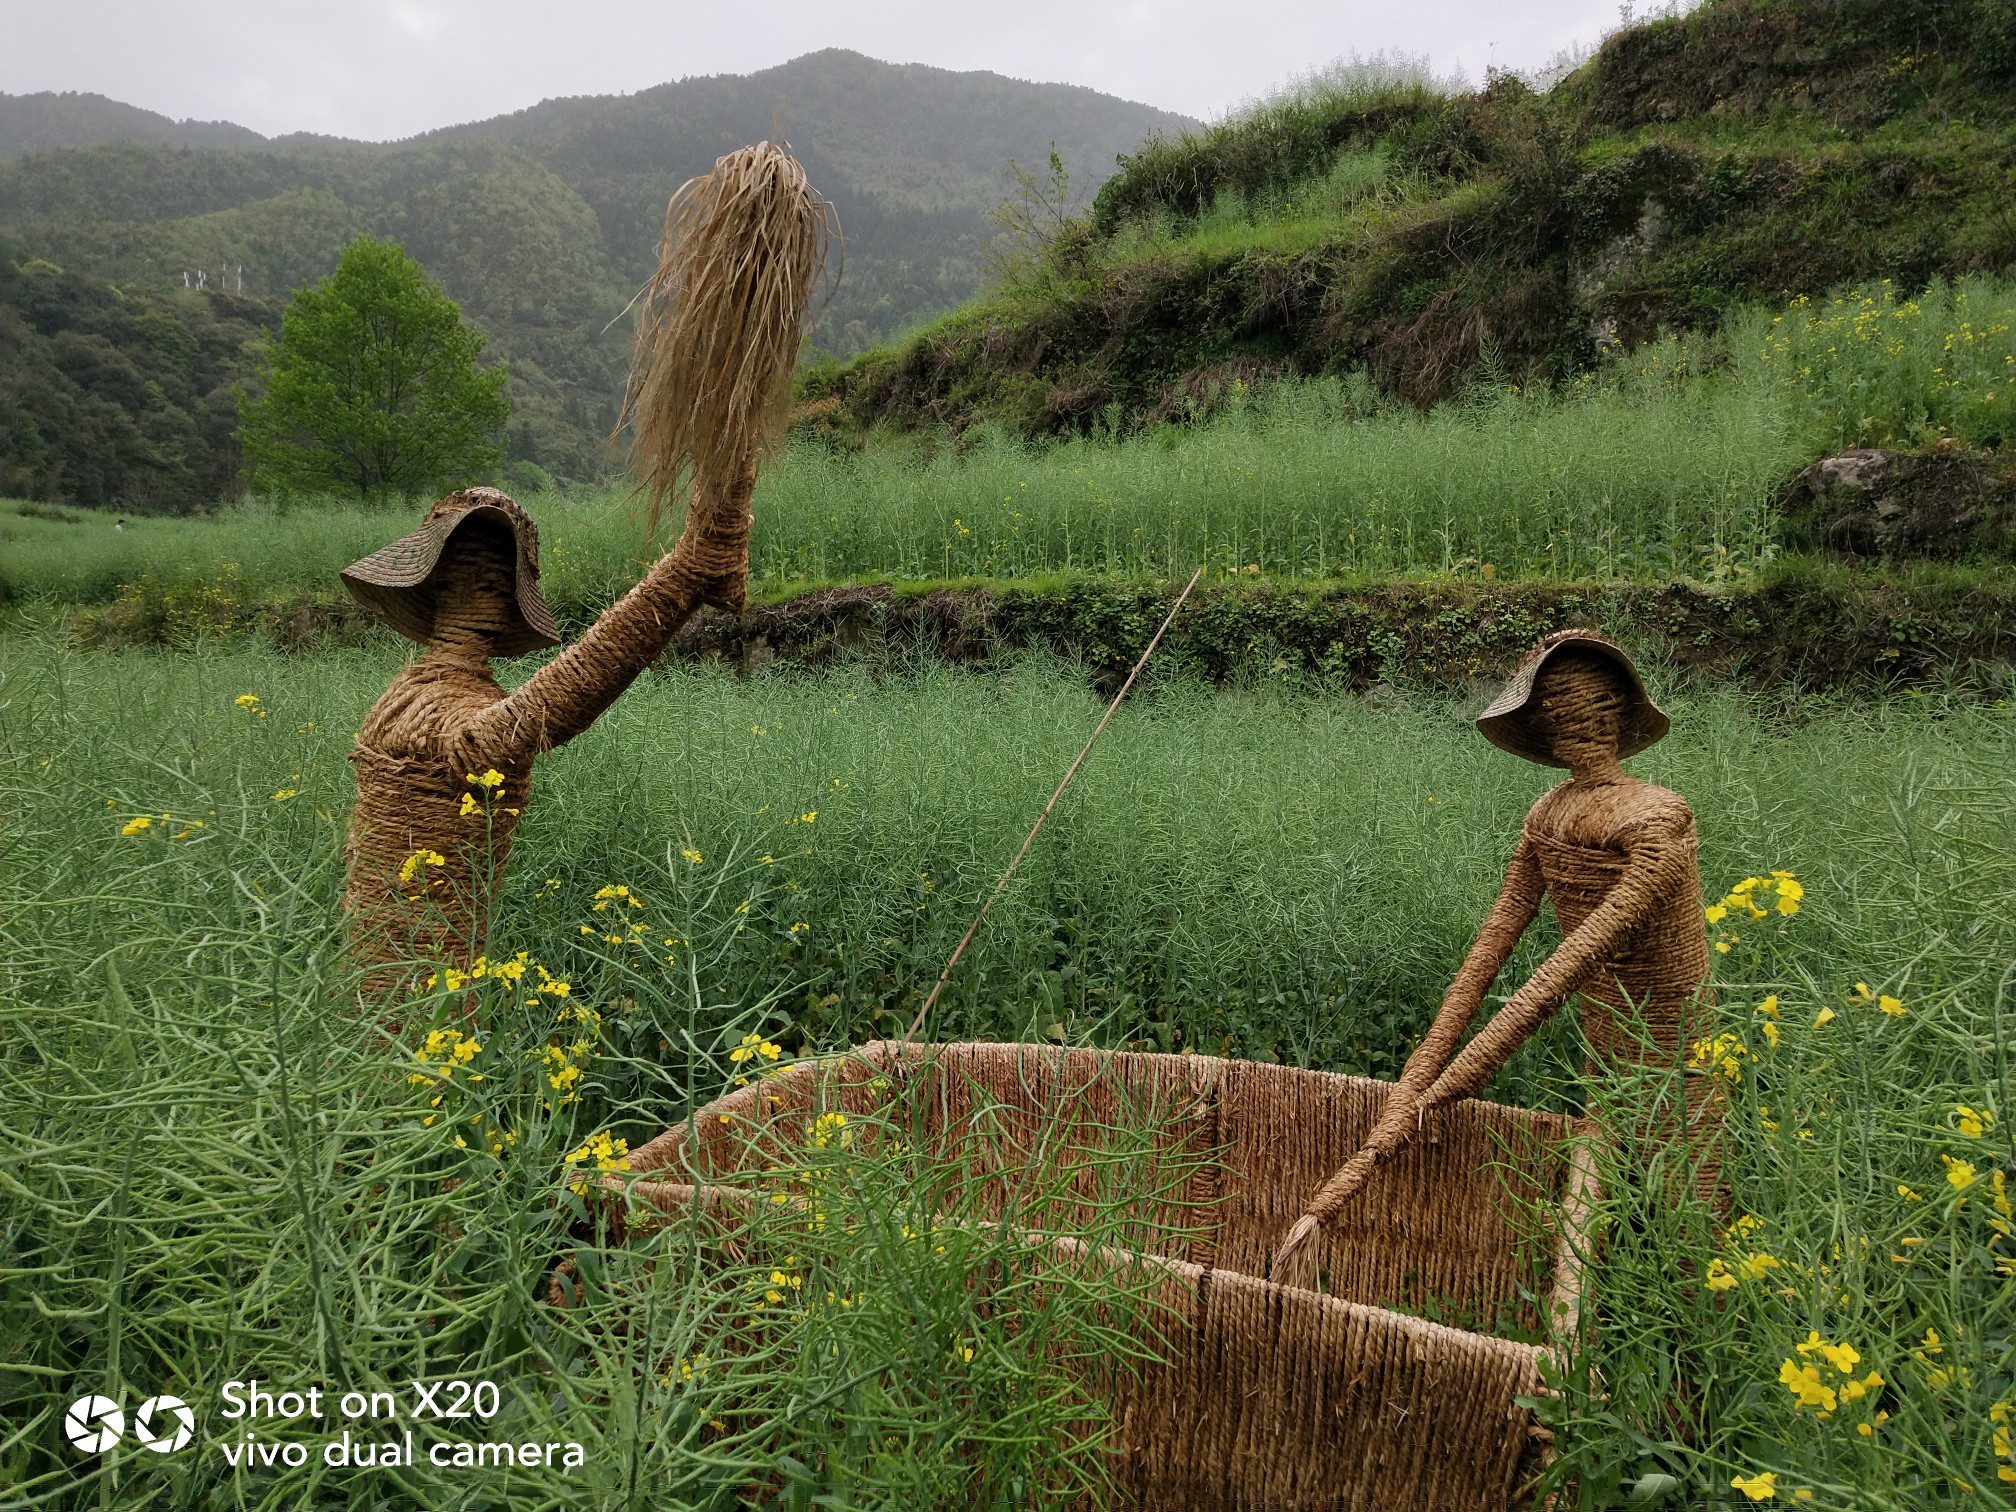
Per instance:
x=1618, y=858
x=444, y=758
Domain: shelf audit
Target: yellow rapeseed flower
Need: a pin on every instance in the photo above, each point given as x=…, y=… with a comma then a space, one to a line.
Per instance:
x=1723, y=1055
x=1759, y=1487
x=1754, y=1267
x=1960, y=1174
x=692, y=856
x=752, y=1046
x=1854, y=1391
x=410, y=867
x=135, y=826
x=604, y=1152
x=1973, y=1122
x=1807, y=1389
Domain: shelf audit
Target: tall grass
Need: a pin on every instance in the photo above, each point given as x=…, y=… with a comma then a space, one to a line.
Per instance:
x=1661, y=464
x=214, y=1168
x=1878, y=366
x=218, y=1169
x=1311, y=480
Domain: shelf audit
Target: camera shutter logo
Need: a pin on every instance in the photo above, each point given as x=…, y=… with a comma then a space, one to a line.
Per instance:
x=94, y=1424
x=164, y=1424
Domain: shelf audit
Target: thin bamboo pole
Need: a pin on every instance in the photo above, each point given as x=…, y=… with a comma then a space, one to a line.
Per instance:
x=1030, y=839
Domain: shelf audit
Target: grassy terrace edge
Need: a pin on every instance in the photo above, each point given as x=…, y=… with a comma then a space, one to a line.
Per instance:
x=1802, y=623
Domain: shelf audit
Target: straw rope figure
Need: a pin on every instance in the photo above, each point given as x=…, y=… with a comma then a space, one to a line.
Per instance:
x=1618, y=858
x=444, y=759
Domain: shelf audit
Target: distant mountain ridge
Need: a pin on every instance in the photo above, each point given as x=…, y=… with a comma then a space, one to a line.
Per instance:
x=46, y=121
x=543, y=222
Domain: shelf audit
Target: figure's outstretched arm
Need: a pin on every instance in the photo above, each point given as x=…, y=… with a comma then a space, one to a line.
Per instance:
x=1658, y=860
x=708, y=564
x=1518, y=901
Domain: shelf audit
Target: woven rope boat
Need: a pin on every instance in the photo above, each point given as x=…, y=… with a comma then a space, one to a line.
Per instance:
x=1270, y=1396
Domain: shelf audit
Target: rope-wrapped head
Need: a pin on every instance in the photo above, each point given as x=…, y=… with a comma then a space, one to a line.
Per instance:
x=1519, y=721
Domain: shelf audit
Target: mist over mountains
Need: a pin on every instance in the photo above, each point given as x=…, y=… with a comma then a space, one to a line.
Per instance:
x=541, y=223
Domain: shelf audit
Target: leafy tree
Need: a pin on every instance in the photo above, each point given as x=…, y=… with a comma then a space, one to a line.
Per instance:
x=372, y=388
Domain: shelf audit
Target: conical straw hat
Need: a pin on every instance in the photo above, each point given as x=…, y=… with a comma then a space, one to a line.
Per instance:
x=1510, y=722
x=395, y=582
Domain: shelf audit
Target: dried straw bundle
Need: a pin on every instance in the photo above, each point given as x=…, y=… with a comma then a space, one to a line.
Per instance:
x=720, y=325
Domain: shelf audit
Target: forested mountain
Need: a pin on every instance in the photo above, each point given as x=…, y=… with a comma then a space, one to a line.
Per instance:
x=43, y=122
x=541, y=223
x=119, y=399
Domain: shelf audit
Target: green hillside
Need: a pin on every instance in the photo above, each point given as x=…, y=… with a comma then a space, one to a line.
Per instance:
x=1752, y=150
x=43, y=122
x=542, y=223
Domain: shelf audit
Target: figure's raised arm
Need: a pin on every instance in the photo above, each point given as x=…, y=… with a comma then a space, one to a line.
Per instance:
x=708, y=565
x=710, y=386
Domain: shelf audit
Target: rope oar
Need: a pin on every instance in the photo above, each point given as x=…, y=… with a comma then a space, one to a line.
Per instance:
x=1030, y=839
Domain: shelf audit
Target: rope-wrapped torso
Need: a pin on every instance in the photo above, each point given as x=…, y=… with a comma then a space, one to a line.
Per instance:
x=444, y=724
x=1641, y=1002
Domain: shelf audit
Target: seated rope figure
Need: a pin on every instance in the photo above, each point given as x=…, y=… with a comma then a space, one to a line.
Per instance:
x=1618, y=858
x=444, y=758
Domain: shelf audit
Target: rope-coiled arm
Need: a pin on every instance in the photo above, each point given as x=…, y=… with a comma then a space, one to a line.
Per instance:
x=708, y=564
x=1517, y=903
x=1658, y=857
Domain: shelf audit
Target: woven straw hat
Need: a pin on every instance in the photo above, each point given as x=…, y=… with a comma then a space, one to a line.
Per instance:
x=1509, y=723
x=396, y=581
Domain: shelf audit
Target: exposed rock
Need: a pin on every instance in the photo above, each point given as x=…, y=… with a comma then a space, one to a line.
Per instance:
x=1868, y=502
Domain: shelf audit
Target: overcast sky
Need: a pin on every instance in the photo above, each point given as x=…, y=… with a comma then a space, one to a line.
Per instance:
x=383, y=69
